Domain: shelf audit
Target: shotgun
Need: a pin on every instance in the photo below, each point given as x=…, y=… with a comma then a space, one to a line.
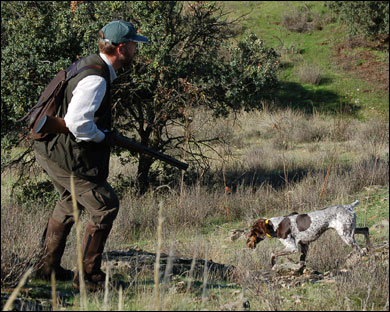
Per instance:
x=50, y=124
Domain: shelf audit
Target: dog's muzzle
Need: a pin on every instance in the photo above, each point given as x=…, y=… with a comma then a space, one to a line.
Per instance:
x=252, y=242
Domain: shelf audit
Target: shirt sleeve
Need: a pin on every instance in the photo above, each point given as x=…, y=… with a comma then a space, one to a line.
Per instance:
x=86, y=100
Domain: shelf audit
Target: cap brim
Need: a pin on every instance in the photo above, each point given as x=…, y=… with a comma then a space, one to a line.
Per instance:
x=139, y=38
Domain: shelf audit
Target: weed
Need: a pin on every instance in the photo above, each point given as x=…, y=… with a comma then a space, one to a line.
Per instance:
x=309, y=73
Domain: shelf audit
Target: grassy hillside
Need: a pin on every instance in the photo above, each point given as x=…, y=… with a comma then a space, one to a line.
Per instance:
x=323, y=142
x=351, y=72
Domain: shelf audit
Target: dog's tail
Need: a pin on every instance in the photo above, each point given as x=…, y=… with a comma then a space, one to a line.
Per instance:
x=355, y=203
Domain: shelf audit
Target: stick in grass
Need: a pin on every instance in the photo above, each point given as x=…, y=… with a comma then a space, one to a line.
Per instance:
x=190, y=275
x=205, y=276
x=83, y=293
x=15, y=293
x=53, y=291
x=157, y=264
x=120, y=300
x=106, y=289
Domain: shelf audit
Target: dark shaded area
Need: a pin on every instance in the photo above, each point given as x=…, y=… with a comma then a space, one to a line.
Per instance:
x=255, y=177
x=296, y=96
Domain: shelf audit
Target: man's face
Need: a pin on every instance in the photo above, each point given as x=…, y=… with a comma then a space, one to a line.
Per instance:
x=127, y=52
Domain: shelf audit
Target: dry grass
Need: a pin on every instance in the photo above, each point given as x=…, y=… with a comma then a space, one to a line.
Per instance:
x=196, y=223
x=297, y=21
x=21, y=233
x=309, y=73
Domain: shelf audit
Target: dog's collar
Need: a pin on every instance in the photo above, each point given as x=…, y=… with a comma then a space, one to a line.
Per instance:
x=266, y=222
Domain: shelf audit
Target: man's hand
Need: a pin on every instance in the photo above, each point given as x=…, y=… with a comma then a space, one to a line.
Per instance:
x=109, y=137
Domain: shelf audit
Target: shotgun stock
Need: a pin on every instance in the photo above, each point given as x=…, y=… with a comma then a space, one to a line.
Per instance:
x=49, y=124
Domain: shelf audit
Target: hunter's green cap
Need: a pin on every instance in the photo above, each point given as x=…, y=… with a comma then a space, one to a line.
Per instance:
x=118, y=32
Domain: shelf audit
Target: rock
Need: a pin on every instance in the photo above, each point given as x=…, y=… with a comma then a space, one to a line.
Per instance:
x=240, y=305
x=288, y=268
x=180, y=287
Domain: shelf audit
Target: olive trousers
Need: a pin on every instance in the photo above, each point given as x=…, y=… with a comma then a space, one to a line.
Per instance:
x=99, y=199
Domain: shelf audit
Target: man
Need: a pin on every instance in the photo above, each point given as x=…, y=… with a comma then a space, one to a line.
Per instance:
x=85, y=151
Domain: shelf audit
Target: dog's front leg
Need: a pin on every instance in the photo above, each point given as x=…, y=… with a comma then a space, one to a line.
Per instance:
x=291, y=247
x=366, y=233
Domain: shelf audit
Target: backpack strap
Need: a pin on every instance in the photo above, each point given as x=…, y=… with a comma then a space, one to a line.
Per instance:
x=72, y=71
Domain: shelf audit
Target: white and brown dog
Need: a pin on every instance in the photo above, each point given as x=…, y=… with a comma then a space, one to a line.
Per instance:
x=300, y=229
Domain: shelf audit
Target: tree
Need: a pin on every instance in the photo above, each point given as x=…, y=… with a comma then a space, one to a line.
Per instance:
x=367, y=18
x=191, y=62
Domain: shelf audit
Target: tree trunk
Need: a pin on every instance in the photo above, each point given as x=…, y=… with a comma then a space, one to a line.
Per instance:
x=144, y=164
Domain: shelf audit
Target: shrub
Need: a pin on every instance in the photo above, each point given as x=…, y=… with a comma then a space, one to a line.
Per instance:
x=297, y=21
x=367, y=18
x=309, y=73
x=20, y=236
x=189, y=62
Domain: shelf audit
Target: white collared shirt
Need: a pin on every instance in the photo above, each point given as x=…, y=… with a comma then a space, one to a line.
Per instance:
x=86, y=100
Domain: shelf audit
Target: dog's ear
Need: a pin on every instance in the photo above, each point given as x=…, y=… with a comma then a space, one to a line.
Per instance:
x=259, y=229
x=269, y=226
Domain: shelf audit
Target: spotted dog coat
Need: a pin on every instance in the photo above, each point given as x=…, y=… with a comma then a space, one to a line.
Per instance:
x=298, y=230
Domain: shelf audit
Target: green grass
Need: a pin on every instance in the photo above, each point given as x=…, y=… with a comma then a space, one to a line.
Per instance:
x=338, y=90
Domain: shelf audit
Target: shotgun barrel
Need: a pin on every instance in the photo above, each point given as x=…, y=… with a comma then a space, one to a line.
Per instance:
x=131, y=145
x=50, y=124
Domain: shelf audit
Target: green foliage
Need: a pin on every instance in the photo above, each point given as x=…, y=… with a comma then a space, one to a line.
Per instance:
x=368, y=18
x=39, y=38
x=36, y=194
x=190, y=62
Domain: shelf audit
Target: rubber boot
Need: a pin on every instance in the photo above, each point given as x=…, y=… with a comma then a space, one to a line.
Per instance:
x=54, y=246
x=93, y=244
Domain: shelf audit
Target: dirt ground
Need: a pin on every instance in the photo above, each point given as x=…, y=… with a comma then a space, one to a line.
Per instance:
x=363, y=63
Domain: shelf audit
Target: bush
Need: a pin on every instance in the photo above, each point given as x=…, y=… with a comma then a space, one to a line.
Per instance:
x=21, y=233
x=297, y=21
x=367, y=18
x=189, y=62
x=309, y=73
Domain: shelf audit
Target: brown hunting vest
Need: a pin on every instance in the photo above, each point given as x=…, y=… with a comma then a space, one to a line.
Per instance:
x=87, y=160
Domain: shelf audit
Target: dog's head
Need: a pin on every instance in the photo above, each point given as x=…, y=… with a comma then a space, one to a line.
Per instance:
x=260, y=229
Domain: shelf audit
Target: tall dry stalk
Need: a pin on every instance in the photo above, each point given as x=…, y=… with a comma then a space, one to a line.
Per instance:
x=53, y=291
x=205, y=277
x=227, y=190
x=105, y=300
x=120, y=299
x=191, y=273
x=169, y=266
x=11, y=299
x=83, y=293
x=157, y=264
x=187, y=138
x=327, y=176
x=278, y=129
x=339, y=131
